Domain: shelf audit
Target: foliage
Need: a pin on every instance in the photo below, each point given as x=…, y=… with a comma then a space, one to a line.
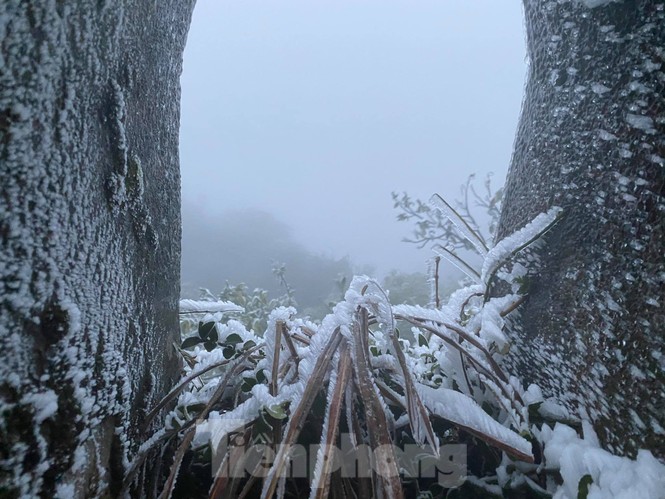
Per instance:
x=409, y=288
x=300, y=381
x=432, y=226
x=256, y=304
x=242, y=246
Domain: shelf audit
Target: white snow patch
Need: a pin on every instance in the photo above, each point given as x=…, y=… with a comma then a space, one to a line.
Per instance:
x=599, y=88
x=657, y=159
x=45, y=404
x=498, y=254
x=532, y=395
x=605, y=135
x=642, y=122
x=592, y=4
x=201, y=306
x=460, y=409
x=612, y=476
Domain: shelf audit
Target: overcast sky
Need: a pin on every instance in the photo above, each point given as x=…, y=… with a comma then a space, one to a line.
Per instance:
x=315, y=110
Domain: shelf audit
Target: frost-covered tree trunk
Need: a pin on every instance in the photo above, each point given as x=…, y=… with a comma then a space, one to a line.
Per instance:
x=90, y=235
x=592, y=140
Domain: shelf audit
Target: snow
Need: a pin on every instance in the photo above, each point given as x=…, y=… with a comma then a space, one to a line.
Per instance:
x=553, y=410
x=641, y=122
x=654, y=158
x=75, y=277
x=65, y=490
x=460, y=409
x=440, y=204
x=201, y=306
x=605, y=135
x=318, y=477
x=459, y=263
x=501, y=251
x=599, y=88
x=45, y=404
x=532, y=395
x=592, y=4
x=430, y=314
x=613, y=476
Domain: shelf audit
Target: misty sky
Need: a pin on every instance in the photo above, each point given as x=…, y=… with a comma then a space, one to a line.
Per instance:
x=316, y=110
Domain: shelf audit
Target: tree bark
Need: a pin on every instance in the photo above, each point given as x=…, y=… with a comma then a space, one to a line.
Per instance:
x=90, y=235
x=591, y=139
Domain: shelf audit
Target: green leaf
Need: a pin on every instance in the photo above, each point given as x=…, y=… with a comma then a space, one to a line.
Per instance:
x=583, y=487
x=261, y=376
x=422, y=341
x=524, y=284
x=205, y=329
x=248, y=384
x=248, y=344
x=195, y=407
x=191, y=341
x=534, y=410
x=205, y=454
x=276, y=411
x=210, y=345
x=261, y=430
x=229, y=351
x=232, y=339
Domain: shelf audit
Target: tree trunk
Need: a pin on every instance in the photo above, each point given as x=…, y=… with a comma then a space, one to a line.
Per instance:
x=90, y=229
x=592, y=140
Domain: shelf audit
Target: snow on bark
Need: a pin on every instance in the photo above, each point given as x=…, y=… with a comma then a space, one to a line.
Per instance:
x=592, y=121
x=592, y=4
x=89, y=226
x=611, y=475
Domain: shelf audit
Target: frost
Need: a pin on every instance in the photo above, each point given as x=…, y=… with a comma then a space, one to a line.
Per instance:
x=592, y=4
x=86, y=303
x=554, y=76
x=195, y=306
x=463, y=228
x=45, y=404
x=501, y=251
x=431, y=314
x=650, y=66
x=605, y=135
x=553, y=410
x=533, y=395
x=599, y=88
x=654, y=158
x=612, y=476
x=65, y=490
x=460, y=409
x=642, y=122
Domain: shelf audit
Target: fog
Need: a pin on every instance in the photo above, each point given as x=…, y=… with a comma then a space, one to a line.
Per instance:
x=312, y=113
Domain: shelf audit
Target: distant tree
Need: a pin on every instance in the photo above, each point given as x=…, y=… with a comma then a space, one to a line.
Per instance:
x=410, y=288
x=242, y=246
x=591, y=139
x=479, y=211
x=432, y=227
x=89, y=237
